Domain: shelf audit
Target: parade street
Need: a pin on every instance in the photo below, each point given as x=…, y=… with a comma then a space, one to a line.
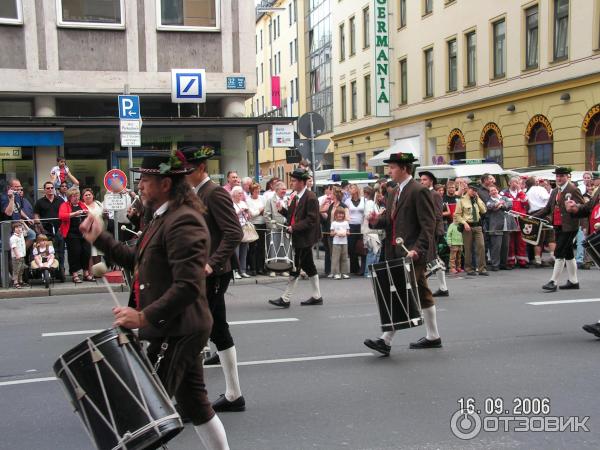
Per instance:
x=310, y=383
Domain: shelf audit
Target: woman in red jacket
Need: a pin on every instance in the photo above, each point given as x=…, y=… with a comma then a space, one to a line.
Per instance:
x=71, y=213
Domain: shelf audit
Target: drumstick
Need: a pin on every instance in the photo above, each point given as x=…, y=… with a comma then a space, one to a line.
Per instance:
x=137, y=233
x=99, y=270
x=400, y=242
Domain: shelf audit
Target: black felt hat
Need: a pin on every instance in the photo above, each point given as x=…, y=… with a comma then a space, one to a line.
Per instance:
x=562, y=171
x=430, y=175
x=300, y=174
x=400, y=158
x=165, y=165
x=198, y=154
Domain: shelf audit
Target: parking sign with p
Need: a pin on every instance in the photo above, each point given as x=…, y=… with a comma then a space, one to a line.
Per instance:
x=129, y=107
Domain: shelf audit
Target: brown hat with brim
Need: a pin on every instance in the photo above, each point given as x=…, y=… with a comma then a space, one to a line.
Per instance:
x=300, y=174
x=562, y=171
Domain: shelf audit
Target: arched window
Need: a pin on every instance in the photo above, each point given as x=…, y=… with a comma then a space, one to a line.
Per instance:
x=540, y=146
x=492, y=142
x=456, y=145
x=592, y=144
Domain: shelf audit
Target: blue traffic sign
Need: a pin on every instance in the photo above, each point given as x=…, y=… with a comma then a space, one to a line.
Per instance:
x=188, y=86
x=236, y=82
x=129, y=107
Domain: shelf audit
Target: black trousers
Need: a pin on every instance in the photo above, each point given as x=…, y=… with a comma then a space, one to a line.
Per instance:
x=256, y=250
x=565, y=244
x=303, y=260
x=356, y=261
x=79, y=252
x=216, y=286
x=182, y=375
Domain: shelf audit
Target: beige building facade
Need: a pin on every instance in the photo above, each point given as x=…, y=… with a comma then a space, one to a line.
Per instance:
x=512, y=81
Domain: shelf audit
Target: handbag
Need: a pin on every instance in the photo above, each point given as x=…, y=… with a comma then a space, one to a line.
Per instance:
x=359, y=248
x=250, y=234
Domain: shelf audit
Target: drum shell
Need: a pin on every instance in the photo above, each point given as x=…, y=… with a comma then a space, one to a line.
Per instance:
x=128, y=414
x=400, y=309
x=592, y=247
x=278, y=251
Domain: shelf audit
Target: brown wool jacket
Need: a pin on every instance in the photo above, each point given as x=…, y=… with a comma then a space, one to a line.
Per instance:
x=170, y=257
x=569, y=223
x=306, y=230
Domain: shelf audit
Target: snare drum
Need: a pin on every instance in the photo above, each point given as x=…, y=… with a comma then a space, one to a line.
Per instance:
x=395, y=287
x=592, y=247
x=121, y=403
x=278, y=251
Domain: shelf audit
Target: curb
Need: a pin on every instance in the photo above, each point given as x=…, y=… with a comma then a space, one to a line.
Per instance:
x=54, y=291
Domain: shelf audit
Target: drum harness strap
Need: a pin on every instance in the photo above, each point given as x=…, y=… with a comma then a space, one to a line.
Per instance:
x=163, y=349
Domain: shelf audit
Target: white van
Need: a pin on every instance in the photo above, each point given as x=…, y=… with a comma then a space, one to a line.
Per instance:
x=472, y=169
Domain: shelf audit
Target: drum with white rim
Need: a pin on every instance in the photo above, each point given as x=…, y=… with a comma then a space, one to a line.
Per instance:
x=113, y=389
x=592, y=247
x=278, y=250
x=395, y=288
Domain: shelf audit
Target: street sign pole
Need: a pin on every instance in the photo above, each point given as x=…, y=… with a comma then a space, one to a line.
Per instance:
x=129, y=151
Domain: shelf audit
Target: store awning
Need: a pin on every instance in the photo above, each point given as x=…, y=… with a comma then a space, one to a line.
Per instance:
x=406, y=145
x=31, y=138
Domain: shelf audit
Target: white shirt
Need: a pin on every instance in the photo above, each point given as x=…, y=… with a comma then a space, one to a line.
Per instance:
x=161, y=210
x=339, y=226
x=255, y=205
x=357, y=213
x=202, y=183
x=17, y=246
x=402, y=185
x=538, y=197
x=299, y=195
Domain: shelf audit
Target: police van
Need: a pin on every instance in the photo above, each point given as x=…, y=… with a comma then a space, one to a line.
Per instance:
x=324, y=178
x=471, y=169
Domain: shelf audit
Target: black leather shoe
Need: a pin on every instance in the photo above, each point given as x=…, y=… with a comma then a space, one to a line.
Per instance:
x=223, y=405
x=593, y=329
x=440, y=293
x=213, y=360
x=550, y=286
x=472, y=273
x=484, y=274
x=280, y=302
x=426, y=343
x=312, y=301
x=569, y=285
x=378, y=345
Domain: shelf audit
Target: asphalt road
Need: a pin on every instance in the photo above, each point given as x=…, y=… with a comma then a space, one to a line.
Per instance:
x=310, y=383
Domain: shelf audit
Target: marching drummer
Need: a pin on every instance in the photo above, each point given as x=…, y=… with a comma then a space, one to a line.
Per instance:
x=566, y=228
x=590, y=209
x=409, y=221
x=226, y=234
x=168, y=299
x=304, y=226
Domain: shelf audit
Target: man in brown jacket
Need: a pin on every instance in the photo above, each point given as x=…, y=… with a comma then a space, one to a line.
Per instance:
x=566, y=228
x=303, y=220
x=409, y=215
x=168, y=297
x=226, y=234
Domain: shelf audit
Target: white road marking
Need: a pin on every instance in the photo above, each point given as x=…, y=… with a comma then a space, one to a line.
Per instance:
x=244, y=363
x=27, y=381
x=561, y=302
x=239, y=322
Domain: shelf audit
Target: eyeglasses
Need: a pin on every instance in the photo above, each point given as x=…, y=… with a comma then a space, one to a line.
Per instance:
x=49, y=188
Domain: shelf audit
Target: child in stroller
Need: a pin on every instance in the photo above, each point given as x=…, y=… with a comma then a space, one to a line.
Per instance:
x=44, y=263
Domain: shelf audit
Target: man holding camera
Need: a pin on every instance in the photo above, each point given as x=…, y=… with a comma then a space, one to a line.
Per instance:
x=14, y=206
x=468, y=214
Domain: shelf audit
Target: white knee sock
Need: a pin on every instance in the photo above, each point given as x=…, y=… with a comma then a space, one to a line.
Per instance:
x=431, y=323
x=314, y=282
x=441, y=276
x=232, y=382
x=558, y=268
x=212, y=434
x=387, y=336
x=289, y=290
x=572, y=270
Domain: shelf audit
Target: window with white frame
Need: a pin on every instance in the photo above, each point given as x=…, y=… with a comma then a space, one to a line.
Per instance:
x=353, y=101
x=366, y=28
x=367, y=81
x=91, y=13
x=499, y=48
x=471, y=39
x=11, y=12
x=345, y=162
x=452, y=66
x=352, y=36
x=188, y=15
x=561, y=29
x=428, y=72
x=531, y=37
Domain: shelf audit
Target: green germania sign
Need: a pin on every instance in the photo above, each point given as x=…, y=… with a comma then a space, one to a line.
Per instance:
x=382, y=59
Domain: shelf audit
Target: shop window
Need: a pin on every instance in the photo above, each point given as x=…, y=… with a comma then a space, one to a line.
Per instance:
x=457, y=148
x=10, y=108
x=492, y=147
x=531, y=37
x=191, y=15
x=19, y=166
x=91, y=13
x=592, y=138
x=540, y=146
x=11, y=12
